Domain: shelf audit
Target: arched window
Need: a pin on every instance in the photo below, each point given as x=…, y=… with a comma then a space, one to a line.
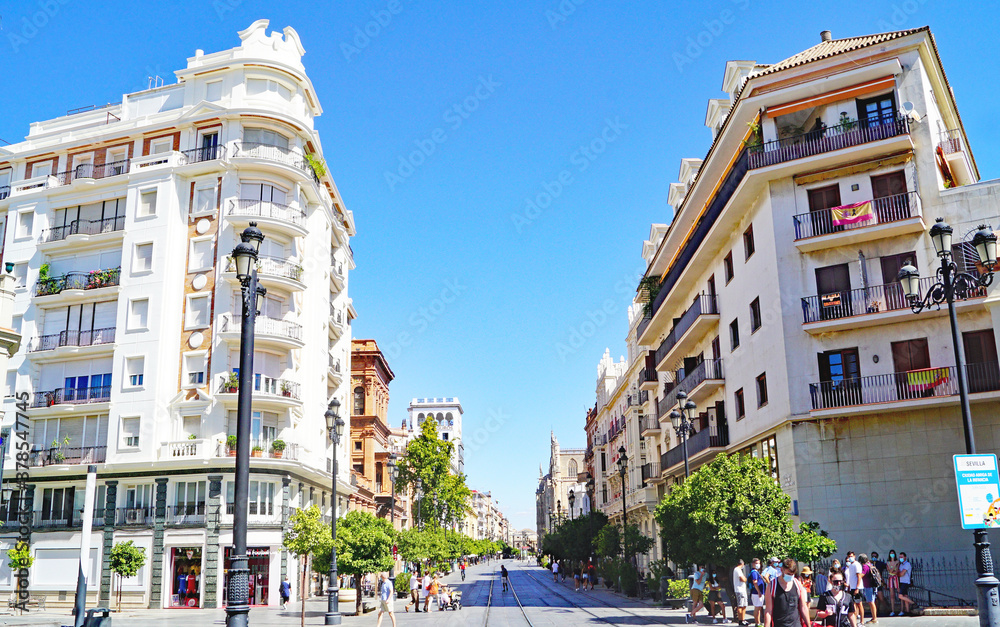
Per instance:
x=359, y=401
x=450, y=418
x=420, y=417
x=572, y=468
x=440, y=417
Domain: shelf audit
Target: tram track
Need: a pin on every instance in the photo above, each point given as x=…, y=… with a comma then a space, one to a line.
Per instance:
x=489, y=601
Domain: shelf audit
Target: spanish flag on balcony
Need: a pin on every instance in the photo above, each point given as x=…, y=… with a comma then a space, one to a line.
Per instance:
x=926, y=379
x=852, y=214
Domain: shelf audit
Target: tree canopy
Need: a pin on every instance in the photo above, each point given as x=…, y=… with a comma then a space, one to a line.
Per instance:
x=442, y=499
x=575, y=539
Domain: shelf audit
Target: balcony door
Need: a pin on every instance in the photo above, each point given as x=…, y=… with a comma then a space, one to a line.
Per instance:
x=821, y=200
x=833, y=283
x=891, y=264
x=981, y=357
x=890, y=198
x=839, y=375
x=877, y=111
x=57, y=505
x=907, y=356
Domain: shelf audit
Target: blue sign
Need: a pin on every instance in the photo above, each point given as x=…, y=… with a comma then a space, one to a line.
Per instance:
x=978, y=490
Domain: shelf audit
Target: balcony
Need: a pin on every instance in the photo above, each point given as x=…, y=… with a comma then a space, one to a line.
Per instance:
x=267, y=331
x=335, y=372
x=91, y=172
x=336, y=275
x=273, y=272
x=648, y=426
x=186, y=449
x=268, y=392
x=663, y=406
x=697, y=445
x=258, y=514
x=648, y=379
x=846, y=135
x=652, y=473
x=135, y=516
x=284, y=218
x=336, y=322
x=206, y=153
x=890, y=216
x=276, y=154
x=898, y=391
x=80, y=231
x=702, y=381
x=73, y=340
x=952, y=148
x=72, y=396
x=68, y=455
x=80, y=281
x=689, y=328
x=870, y=306
x=188, y=514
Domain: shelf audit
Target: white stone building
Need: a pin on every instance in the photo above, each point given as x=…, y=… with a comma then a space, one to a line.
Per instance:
x=120, y=220
x=447, y=412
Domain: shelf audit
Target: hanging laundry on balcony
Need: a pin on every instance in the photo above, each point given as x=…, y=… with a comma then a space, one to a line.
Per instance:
x=926, y=379
x=852, y=214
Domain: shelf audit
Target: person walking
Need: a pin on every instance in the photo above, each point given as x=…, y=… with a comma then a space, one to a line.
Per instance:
x=414, y=592
x=504, y=577
x=757, y=587
x=855, y=584
x=386, y=600
x=426, y=590
x=892, y=582
x=835, y=607
x=592, y=575
x=785, y=602
x=773, y=571
x=555, y=571
x=905, y=570
x=740, y=588
x=576, y=577
x=461, y=567
x=715, y=603
x=285, y=591
x=870, y=579
x=698, y=581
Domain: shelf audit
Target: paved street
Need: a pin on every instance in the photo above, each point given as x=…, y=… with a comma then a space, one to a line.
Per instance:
x=544, y=603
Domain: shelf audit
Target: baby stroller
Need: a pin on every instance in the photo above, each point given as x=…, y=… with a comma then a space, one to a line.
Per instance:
x=456, y=600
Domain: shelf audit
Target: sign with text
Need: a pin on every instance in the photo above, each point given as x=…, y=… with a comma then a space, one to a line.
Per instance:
x=978, y=490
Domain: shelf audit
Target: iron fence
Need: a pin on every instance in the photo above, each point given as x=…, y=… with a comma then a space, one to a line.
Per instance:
x=91, y=337
x=83, y=227
x=827, y=139
x=884, y=210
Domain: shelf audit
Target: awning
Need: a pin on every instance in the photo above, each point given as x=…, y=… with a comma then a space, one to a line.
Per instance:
x=898, y=158
x=853, y=91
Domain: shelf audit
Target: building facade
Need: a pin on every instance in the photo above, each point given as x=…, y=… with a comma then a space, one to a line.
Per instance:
x=120, y=223
x=566, y=473
x=448, y=414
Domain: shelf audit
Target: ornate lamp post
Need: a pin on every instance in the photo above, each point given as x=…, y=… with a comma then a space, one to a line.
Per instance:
x=245, y=255
x=681, y=420
x=393, y=470
x=550, y=520
x=335, y=425
x=623, y=475
x=591, y=487
x=571, y=499
x=953, y=283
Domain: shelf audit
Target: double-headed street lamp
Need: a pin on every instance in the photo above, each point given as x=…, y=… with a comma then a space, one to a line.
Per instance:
x=245, y=256
x=571, y=499
x=681, y=420
x=335, y=425
x=951, y=282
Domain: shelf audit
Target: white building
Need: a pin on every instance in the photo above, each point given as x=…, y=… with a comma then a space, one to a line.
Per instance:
x=120, y=222
x=448, y=414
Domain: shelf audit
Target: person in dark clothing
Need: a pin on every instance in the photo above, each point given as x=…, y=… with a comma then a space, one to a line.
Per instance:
x=286, y=592
x=835, y=607
x=504, y=577
x=786, y=603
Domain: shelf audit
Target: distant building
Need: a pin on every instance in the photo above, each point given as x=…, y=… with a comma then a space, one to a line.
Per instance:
x=567, y=473
x=448, y=414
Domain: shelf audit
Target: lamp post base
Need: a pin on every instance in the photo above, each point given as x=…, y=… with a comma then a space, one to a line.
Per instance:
x=986, y=584
x=333, y=615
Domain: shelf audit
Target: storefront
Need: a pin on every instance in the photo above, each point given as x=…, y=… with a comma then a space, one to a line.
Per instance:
x=185, y=583
x=259, y=558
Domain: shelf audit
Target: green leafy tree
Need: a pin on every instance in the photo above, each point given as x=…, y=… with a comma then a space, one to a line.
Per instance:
x=609, y=541
x=308, y=536
x=443, y=498
x=126, y=560
x=364, y=546
x=20, y=556
x=811, y=544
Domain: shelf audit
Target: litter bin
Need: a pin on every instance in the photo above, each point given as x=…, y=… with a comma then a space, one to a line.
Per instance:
x=102, y=618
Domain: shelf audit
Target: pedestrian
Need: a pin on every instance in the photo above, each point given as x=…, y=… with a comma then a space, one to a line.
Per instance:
x=805, y=578
x=433, y=590
x=425, y=592
x=461, y=567
x=286, y=592
x=562, y=570
x=905, y=570
x=585, y=575
x=386, y=600
x=504, y=577
x=740, y=588
x=773, y=571
x=757, y=587
x=785, y=602
x=576, y=577
x=555, y=571
x=698, y=581
x=835, y=565
x=715, y=603
x=592, y=574
x=892, y=582
x=855, y=583
x=835, y=607
x=414, y=592
x=870, y=579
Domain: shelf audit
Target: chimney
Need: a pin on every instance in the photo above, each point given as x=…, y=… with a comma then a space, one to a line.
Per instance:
x=825, y=35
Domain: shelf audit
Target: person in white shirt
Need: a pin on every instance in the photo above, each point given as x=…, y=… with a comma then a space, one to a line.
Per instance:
x=555, y=571
x=855, y=583
x=740, y=588
x=905, y=570
x=414, y=592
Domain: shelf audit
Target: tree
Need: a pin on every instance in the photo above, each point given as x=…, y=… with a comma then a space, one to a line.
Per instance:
x=126, y=560
x=308, y=536
x=19, y=557
x=811, y=544
x=443, y=498
x=364, y=545
x=609, y=541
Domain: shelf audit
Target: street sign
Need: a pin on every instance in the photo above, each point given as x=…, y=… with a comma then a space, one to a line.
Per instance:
x=978, y=490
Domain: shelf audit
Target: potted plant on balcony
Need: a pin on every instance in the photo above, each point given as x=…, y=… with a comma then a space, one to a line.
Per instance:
x=756, y=138
x=231, y=445
x=318, y=165
x=286, y=389
x=257, y=451
x=277, y=449
x=102, y=278
x=846, y=122
x=232, y=383
x=58, y=455
x=192, y=436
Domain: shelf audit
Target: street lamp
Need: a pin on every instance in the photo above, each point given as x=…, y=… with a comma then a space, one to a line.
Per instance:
x=950, y=283
x=591, y=486
x=550, y=520
x=393, y=469
x=572, y=498
x=245, y=256
x=681, y=420
x=335, y=425
x=623, y=473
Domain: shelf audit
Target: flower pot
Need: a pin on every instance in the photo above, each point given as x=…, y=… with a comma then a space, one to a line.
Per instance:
x=256, y=453
x=276, y=454
x=232, y=452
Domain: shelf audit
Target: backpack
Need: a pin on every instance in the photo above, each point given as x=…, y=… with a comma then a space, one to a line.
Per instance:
x=876, y=577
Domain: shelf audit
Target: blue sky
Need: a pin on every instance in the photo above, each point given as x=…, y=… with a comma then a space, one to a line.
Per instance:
x=471, y=291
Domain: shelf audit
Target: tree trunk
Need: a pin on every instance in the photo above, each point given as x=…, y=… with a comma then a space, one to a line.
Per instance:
x=357, y=587
x=119, y=593
x=305, y=589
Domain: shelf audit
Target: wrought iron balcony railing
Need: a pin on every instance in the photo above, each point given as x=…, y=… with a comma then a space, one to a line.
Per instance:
x=265, y=209
x=845, y=135
x=903, y=386
x=865, y=300
x=75, y=396
x=883, y=211
x=92, y=337
x=83, y=227
x=92, y=280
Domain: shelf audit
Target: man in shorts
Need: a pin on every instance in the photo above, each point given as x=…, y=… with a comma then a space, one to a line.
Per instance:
x=697, y=594
x=740, y=588
x=385, y=600
x=757, y=587
x=905, y=570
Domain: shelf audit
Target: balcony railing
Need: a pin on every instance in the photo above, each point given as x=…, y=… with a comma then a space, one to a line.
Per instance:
x=648, y=375
x=207, y=153
x=708, y=369
x=264, y=326
x=335, y=364
x=853, y=133
x=78, y=281
x=83, y=227
x=866, y=300
x=91, y=171
x=903, y=386
x=4, y=192
x=192, y=513
x=270, y=152
x=883, y=211
x=58, y=396
x=272, y=266
x=72, y=338
x=135, y=516
x=951, y=141
x=270, y=386
x=704, y=304
x=264, y=209
x=68, y=455
x=664, y=404
x=696, y=443
x=650, y=470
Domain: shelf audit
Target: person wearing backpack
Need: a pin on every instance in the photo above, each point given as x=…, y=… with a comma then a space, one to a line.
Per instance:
x=872, y=580
x=786, y=603
x=835, y=608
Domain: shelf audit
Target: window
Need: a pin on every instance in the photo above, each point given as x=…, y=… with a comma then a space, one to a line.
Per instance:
x=16, y=322
x=189, y=497
x=741, y=410
x=194, y=366
x=25, y=221
x=147, y=203
x=213, y=91
x=265, y=137
x=41, y=169
x=201, y=255
x=130, y=432
x=257, y=86
x=133, y=369
x=359, y=401
x=762, y=389
x=727, y=263
x=357, y=446
x=755, y=315
x=142, y=260
x=734, y=334
x=20, y=273
x=198, y=314
x=204, y=200
x=138, y=313
x=191, y=425
x=162, y=145
x=748, y=247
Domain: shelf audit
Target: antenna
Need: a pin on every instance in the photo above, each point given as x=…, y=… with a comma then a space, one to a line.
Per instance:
x=154, y=81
